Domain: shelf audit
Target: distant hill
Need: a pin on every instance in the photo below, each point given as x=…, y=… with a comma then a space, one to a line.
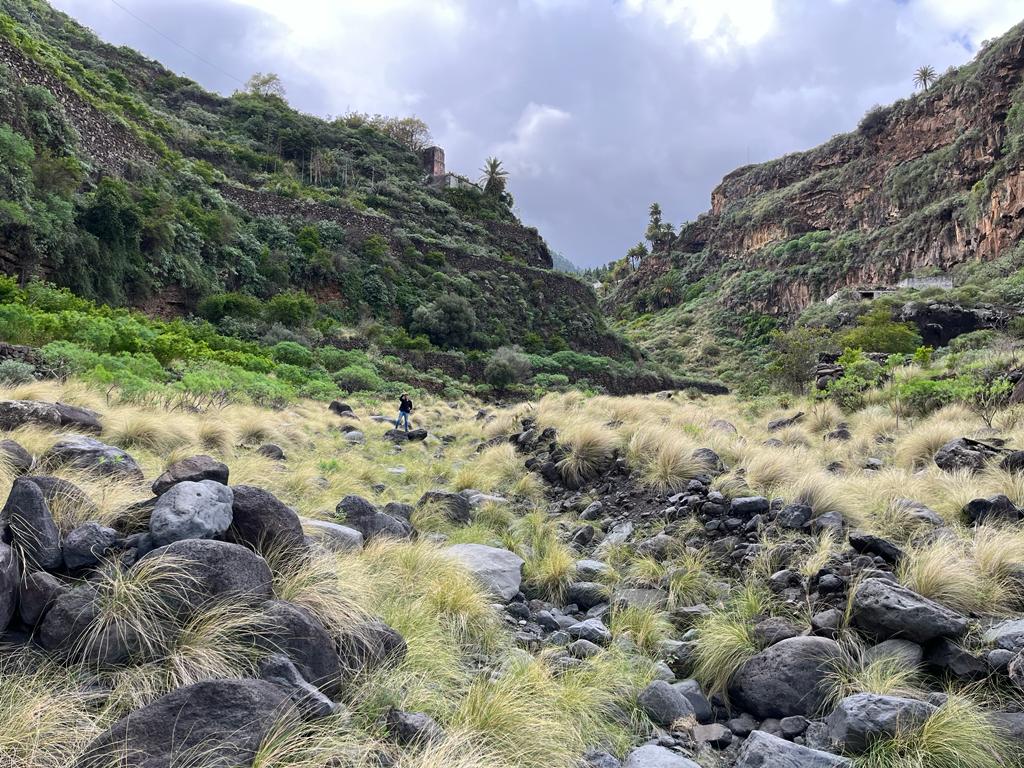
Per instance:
x=562, y=264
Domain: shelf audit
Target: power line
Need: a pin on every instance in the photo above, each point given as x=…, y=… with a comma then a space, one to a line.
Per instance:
x=171, y=40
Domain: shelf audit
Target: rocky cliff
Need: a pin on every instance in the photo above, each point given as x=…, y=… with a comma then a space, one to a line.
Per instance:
x=924, y=184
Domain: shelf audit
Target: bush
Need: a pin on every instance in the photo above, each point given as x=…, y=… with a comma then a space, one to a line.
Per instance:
x=354, y=378
x=237, y=305
x=291, y=308
x=291, y=353
x=448, y=321
x=877, y=332
x=507, y=366
x=14, y=372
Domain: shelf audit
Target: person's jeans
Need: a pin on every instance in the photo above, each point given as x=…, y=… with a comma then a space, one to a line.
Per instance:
x=402, y=417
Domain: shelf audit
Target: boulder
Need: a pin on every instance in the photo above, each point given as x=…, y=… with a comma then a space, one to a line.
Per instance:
x=63, y=494
x=412, y=436
x=338, y=408
x=747, y=506
x=994, y=509
x=271, y=451
x=593, y=630
x=1013, y=462
x=762, y=750
x=948, y=657
x=88, y=453
x=780, y=424
x=354, y=437
x=221, y=570
x=225, y=720
x=586, y=594
x=191, y=510
x=412, y=728
x=886, y=610
x=499, y=571
x=193, y=469
x=860, y=719
x=455, y=506
x=653, y=756
x=1008, y=635
x=714, y=734
x=795, y=516
x=31, y=527
x=295, y=632
x=263, y=522
x=964, y=453
x=695, y=695
x=17, y=458
x=371, y=645
x=785, y=679
x=869, y=544
x=1010, y=725
x=333, y=537
x=39, y=591
x=364, y=516
x=664, y=704
x=908, y=654
x=10, y=576
x=88, y=543
x=70, y=626
x=600, y=759
x=278, y=669
x=78, y=419
x=17, y=413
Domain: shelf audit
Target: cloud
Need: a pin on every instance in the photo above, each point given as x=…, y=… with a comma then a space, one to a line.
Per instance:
x=597, y=107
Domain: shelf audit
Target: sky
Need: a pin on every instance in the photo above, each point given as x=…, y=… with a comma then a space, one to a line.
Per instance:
x=596, y=107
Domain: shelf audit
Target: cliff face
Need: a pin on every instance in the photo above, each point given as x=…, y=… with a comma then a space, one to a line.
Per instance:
x=924, y=184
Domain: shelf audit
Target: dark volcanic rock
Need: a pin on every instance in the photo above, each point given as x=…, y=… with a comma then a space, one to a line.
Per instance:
x=964, y=453
x=664, y=704
x=455, y=506
x=91, y=454
x=17, y=458
x=412, y=728
x=860, y=719
x=220, y=570
x=884, y=609
x=364, y=516
x=10, y=576
x=762, y=750
x=39, y=591
x=194, y=469
x=88, y=543
x=225, y=720
x=785, y=679
x=31, y=527
x=265, y=523
x=295, y=632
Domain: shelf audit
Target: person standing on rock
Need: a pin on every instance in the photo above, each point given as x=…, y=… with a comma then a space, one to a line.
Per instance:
x=404, y=409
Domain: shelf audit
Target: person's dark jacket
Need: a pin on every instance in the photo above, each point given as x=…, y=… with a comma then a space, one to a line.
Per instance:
x=405, y=406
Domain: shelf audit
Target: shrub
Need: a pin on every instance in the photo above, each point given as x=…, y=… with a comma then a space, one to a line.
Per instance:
x=448, y=321
x=877, y=332
x=237, y=305
x=14, y=372
x=291, y=308
x=507, y=366
x=291, y=353
x=354, y=378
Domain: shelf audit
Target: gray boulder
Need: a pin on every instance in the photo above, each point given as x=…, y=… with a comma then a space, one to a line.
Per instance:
x=860, y=719
x=785, y=679
x=220, y=570
x=295, y=632
x=593, y=630
x=455, y=506
x=10, y=576
x=499, y=571
x=412, y=728
x=263, y=522
x=653, y=756
x=191, y=510
x=885, y=609
x=903, y=651
x=371, y=645
x=695, y=695
x=90, y=454
x=278, y=669
x=17, y=413
x=333, y=537
x=664, y=704
x=38, y=592
x=70, y=626
x=31, y=527
x=762, y=750
x=192, y=469
x=225, y=720
x=364, y=516
x=17, y=458
x=1008, y=635
x=88, y=543
x=586, y=594
x=1010, y=725
x=79, y=419
x=63, y=494
x=964, y=453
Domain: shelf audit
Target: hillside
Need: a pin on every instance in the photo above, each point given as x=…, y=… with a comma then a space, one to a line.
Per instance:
x=133, y=186
x=927, y=186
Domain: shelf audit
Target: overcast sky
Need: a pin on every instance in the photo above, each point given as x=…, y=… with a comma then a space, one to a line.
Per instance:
x=597, y=107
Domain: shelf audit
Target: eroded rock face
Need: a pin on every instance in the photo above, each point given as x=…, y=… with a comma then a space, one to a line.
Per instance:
x=887, y=610
x=225, y=720
x=785, y=679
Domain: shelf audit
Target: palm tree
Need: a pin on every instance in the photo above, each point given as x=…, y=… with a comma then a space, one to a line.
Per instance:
x=924, y=77
x=494, y=176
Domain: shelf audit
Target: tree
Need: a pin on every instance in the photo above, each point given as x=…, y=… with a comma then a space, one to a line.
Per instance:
x=448, y=321
x=657, y=230
x=924, y=77
x=636, y=255
x=408, y=131
x=265, y=84
x=794, y=356
x=494, y=177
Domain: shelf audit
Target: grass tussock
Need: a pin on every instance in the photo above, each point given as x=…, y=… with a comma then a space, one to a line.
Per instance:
x=589, y=447
x=726, y=639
